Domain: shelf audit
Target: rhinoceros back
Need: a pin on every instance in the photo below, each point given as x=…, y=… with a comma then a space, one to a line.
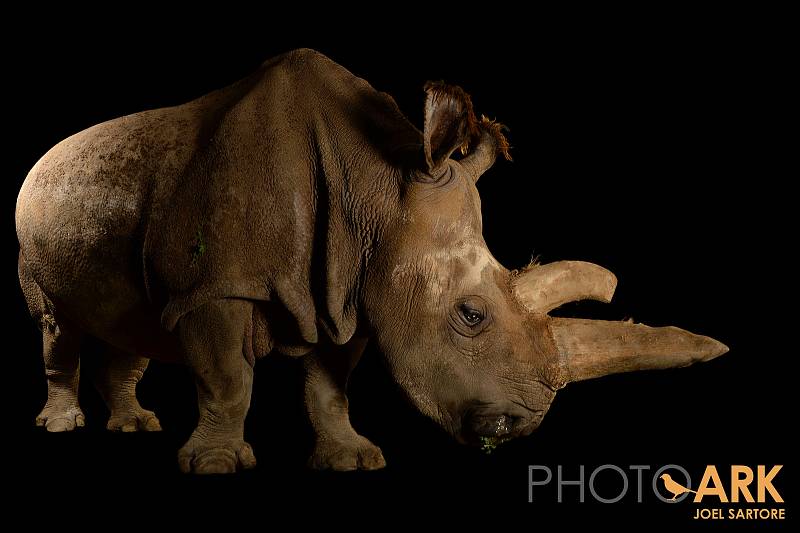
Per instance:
x=249, y=192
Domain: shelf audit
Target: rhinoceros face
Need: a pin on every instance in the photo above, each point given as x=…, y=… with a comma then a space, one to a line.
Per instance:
x=463, y=348
x=470, y=342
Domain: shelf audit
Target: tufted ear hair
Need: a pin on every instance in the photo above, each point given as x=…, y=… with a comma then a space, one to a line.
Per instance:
x=450, y=123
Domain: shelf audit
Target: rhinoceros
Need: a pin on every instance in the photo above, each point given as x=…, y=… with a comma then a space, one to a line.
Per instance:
x=298, y=211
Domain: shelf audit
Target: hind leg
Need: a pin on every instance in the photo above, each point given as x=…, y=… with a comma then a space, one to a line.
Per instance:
x=116, y=381
x=60, y=343
x=62, y=367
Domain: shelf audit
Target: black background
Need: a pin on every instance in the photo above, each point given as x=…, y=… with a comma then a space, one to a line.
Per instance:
x=653, y=148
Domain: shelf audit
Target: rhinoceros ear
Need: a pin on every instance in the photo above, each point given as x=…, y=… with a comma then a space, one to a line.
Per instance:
x=450, y=123
x=491, y=143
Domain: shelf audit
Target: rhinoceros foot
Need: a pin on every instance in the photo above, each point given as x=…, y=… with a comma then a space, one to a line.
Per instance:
x=134, y=419
x=355, y=453
x=199, y=457
x=59, y=416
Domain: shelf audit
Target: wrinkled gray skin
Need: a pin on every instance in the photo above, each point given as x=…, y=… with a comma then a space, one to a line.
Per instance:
x=299, y=211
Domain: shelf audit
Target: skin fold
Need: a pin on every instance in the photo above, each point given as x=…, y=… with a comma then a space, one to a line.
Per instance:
x=298, y=211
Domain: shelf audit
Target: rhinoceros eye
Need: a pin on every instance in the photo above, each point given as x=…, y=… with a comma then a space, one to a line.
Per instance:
x=471, y=316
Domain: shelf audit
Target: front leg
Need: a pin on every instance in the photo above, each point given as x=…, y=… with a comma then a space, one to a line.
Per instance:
x=212, y=338
x=337, y=446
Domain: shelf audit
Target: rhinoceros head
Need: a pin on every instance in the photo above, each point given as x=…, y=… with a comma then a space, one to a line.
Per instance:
x=470, y=342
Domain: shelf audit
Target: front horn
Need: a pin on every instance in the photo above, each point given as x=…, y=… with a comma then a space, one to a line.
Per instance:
x=594, y=348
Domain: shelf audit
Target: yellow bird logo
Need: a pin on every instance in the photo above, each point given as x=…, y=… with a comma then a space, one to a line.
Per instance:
x=674, y=487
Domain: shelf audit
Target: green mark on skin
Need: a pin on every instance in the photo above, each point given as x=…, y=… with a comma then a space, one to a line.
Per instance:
x=198, y=248
x=488, y=444
x=48, y=321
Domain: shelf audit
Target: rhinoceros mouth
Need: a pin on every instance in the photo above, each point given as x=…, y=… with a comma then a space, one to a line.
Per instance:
x=488, y=444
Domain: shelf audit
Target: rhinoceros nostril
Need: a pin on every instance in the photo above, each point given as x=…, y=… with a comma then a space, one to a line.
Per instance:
x=491, y=425
x=502, y=426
